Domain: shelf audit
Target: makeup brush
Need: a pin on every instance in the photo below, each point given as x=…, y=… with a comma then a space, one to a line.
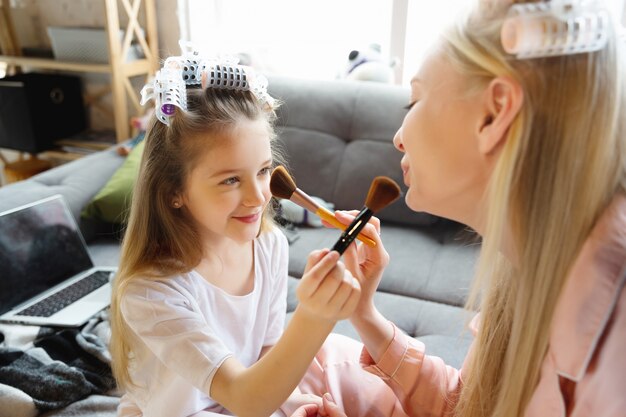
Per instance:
x=383, y=191
x=283, y=186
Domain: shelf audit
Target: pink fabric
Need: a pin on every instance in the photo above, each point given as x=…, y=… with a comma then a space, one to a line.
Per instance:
x=584, y=370
x=336, y=370
x=424, y=384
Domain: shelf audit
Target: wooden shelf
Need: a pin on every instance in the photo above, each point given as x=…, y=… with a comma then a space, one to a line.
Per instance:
x=54, y=64
x=120, y=71
x=130, y=68
x=138, y=67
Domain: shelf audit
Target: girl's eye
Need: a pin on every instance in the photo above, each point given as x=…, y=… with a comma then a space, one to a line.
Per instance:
x=230, y=181
x=265, y=171
x=410, y=105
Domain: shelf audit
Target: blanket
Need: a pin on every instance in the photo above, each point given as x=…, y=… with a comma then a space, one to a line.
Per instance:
x=44, y=369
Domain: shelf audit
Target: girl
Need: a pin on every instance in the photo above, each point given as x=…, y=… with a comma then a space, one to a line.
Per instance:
x=199, y=301
x=535, y=161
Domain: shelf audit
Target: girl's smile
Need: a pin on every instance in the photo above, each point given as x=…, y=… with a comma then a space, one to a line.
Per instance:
x=253, y=218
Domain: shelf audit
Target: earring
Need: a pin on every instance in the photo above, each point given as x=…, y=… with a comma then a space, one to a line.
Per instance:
x=176, y=204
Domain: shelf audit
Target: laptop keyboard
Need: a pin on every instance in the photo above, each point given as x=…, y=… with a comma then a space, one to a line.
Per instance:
x=59, y=300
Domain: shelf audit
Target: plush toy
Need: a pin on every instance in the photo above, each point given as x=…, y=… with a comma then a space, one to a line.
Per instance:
x=369, y=65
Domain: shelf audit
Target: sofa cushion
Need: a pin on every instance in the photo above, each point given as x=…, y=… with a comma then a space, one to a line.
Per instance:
x=361, y=157
x=306, y=149
x=437, y=265
x=112, y=202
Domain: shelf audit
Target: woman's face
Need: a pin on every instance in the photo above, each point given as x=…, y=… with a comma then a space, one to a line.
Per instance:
x=442, y=166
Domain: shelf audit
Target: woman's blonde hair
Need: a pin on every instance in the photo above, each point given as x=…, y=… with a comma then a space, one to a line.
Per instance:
x=160, y=240
x=563, y=161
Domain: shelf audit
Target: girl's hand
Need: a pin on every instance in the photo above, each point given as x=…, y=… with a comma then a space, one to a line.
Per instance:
x=299, y=401
x=331, y=409
x=364, y=262
x=306, y=411
x=327, y=290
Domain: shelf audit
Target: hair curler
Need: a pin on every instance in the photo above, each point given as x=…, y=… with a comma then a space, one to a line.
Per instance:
x=168, y=88
x=556, y=27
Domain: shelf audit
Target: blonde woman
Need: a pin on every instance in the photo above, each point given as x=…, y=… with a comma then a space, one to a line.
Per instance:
x=531, y=153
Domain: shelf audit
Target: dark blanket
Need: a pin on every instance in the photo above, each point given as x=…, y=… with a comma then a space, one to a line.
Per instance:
x=59, y=367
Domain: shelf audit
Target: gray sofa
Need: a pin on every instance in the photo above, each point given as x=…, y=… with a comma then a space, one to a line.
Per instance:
x=337, y=137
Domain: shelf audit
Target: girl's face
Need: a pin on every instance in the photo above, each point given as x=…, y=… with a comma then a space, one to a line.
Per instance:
x=228, y=190
x=442, y=165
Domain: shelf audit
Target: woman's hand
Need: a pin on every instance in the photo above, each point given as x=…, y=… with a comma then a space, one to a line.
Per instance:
x=328, y=409
x=366, y=263
x=327, y=289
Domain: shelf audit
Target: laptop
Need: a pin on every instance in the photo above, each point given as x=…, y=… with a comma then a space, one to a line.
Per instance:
x=47, y=277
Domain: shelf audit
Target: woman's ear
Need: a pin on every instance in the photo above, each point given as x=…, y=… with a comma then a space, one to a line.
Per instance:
x=502, y=101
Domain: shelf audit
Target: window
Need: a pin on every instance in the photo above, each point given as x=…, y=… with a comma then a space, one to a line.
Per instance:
x=424, y=25
x=312, y=39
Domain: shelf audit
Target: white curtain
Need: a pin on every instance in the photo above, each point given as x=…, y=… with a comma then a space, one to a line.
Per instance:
x=310, y=39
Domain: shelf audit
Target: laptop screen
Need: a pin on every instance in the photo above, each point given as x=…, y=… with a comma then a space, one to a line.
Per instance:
x=40, y=247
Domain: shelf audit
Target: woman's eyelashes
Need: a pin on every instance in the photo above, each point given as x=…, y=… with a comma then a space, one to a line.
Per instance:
x=410, y=105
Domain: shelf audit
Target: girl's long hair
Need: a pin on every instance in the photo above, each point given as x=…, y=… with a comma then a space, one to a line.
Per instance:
x=563, y=162
x=159, y=240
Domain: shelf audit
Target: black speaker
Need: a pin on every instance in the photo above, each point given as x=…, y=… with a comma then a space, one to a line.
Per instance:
x=38, y=109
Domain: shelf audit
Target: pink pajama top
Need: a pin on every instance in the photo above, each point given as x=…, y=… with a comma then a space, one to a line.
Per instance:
x=584, y=370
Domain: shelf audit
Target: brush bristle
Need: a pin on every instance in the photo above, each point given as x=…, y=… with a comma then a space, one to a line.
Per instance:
x=281, y=183
x=383, y=192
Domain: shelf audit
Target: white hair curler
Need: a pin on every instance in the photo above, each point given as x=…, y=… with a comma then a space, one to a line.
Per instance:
x=556, y=27
x=168, y=88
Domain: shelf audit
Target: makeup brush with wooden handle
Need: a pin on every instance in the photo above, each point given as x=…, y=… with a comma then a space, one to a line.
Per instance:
x=383, y=191
x=283, y=186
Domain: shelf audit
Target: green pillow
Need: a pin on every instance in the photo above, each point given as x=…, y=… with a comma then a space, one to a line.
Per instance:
x=112, y=203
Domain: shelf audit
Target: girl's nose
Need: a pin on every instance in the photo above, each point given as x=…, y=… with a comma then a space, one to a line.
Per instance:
x=254, y=194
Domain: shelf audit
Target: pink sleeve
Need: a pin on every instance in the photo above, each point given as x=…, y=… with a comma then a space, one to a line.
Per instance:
x=424, y=384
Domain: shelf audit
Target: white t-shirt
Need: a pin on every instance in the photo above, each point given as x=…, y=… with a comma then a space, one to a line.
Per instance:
x=186, y=328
